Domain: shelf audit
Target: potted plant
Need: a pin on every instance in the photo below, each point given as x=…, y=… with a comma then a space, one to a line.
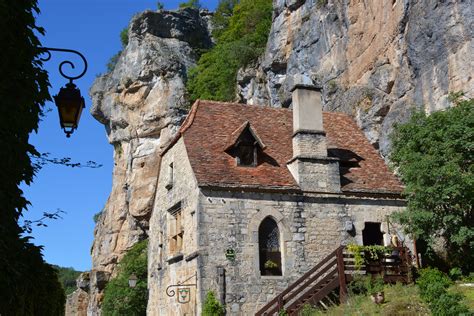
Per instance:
x=271, y=268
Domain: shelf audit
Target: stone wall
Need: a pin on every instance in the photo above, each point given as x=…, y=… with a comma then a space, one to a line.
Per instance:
x=311, y=226
x=164, y=266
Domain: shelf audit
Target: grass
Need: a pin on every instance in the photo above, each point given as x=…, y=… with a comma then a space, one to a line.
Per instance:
x=467, y=291
x=399, y=300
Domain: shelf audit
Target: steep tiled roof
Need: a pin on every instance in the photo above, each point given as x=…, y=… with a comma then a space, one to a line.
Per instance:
x=209, y=125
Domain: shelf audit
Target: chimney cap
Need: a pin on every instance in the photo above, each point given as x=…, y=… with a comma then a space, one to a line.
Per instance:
x=306, y=87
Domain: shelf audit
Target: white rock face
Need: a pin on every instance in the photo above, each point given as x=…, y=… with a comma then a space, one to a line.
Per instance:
x=377, y=60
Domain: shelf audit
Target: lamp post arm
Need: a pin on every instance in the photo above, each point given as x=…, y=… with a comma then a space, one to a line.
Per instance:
x=48, y=50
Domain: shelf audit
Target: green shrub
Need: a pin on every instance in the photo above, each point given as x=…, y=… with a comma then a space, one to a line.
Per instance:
x=448, y=304
x=211, y=306
x=190, y=4
x=97, y=216
x=362, y=285
x=455, y=274
x=432, y=283
x=358, y=285
x=241, y=39
x=308, y=310
x=67, y=276
x=119, y=298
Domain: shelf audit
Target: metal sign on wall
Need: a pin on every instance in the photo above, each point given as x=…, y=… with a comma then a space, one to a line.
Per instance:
x=182, y=290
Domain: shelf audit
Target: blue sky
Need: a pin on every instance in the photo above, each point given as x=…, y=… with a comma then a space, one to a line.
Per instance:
x=91, y=27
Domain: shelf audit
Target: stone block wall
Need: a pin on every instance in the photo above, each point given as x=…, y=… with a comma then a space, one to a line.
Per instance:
x=310, y=228
x=167, y=267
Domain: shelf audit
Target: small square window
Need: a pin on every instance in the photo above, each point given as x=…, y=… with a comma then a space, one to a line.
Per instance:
x=176, y=231
x=170, y=177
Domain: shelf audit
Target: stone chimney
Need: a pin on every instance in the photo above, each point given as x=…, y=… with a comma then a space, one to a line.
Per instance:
x=310, y=166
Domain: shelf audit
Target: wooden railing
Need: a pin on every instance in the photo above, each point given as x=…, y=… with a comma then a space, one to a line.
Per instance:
x=335, y=271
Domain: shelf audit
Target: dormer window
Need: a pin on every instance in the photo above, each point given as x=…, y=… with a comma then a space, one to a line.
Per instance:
x=244, y=145
x=246, y=155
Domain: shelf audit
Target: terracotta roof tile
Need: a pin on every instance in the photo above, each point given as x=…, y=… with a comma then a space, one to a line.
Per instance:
x=207, y=130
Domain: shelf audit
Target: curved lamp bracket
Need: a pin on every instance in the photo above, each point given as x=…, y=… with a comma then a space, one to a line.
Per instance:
x=48, y=50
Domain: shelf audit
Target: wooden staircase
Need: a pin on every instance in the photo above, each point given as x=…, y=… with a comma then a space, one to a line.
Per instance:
x=327, y=282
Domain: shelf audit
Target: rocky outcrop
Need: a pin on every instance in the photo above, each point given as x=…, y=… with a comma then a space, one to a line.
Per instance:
x=78, y=301
x=141, y=104
x=376, y=60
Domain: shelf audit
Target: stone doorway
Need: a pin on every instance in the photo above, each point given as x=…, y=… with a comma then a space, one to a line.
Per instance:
x=372, y=234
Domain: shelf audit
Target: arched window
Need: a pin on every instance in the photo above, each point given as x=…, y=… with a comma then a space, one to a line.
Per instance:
x=269, y=247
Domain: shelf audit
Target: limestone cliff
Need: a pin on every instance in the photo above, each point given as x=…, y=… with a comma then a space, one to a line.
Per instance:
x=141, y=104
x=376, y=60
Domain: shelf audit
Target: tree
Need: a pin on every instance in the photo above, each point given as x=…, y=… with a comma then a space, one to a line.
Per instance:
x=119, y=298
x=241, y=41
x=221, y=17
x=190, y=4
x=28, y=285
x=211, y=306
x=434, y=157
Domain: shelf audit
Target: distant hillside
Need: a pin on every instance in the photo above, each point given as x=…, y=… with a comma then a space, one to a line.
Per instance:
x=67, y=277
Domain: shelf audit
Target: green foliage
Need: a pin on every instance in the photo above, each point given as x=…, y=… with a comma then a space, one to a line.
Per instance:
x=455, y=274
x=307, y=310
x=97, y=216
x=448, y=304
x=241, y=39
x=28, y=285
x=270, y=264
x=190, y=4
x=434, y=157
x=211, y=306
x=119, y=298
x=124, y=37
x=67, y=277
x=362, y=285
x=363, y=253
x=221, y=17
x=400, y=300
x=160, y=5
x=114, y=59
x=433, y=285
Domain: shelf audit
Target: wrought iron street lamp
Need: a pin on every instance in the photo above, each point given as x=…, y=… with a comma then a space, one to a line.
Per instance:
x=69, y=100
x=132, y=280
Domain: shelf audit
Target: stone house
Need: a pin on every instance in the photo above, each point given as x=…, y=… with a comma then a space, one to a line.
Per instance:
x=249, y=198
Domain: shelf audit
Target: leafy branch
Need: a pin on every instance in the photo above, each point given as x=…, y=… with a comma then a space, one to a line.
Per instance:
x=27, y=226
x=40, y=160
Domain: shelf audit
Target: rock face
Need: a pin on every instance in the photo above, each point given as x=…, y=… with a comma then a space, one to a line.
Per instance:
x=141, y=103
x=374, y=59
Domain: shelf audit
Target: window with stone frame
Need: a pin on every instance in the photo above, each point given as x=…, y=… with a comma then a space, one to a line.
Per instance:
x=269, y=247
x=176, y=230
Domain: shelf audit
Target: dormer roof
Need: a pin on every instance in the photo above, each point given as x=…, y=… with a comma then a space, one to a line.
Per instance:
x=236, y=135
